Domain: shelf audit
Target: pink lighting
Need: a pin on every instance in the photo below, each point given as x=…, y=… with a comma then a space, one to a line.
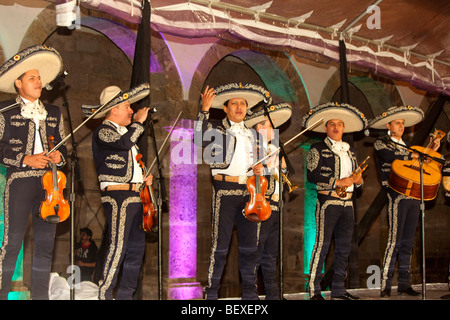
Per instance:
x=183, y=215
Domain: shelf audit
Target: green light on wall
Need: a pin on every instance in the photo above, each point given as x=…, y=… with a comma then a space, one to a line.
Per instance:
x=18, y=272
x=309, y=232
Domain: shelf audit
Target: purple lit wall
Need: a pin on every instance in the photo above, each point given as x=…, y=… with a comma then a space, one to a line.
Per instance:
x=183, y=215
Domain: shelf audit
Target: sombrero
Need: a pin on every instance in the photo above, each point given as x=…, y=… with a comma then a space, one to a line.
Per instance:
x=44, y=59
x=115, y=93
x=250, y=92
x=279, y=113
x=354, y=120
x=411, y=115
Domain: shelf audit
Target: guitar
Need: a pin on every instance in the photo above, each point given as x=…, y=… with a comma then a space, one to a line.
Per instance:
x=405, y=174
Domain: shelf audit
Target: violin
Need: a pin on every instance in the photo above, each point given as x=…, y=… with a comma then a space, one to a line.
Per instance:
x=54, y=208
x=148, y=202
x=258, y=208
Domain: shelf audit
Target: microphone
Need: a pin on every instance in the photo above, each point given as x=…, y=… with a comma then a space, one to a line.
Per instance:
x=49, y=86
x=372, y=133
x=151, y=110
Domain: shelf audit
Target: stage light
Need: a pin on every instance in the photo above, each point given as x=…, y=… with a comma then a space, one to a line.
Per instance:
x=68, y=15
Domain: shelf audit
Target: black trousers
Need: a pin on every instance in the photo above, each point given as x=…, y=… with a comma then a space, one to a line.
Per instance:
x=227, y=205
x=126, y=243
x=403, y=218
x=333, y=217
x=23, y=195
x=268, y=251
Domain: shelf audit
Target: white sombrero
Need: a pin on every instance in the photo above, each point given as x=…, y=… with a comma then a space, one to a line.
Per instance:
x=250, y=92
x=411, y=116
x=44, y=59
x=354, y=120
x=113, y=92
x=279, y=114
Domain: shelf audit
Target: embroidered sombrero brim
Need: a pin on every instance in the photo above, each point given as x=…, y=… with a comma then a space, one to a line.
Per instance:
x=354, y=120
x=132, y=95
x=279, y=114
x=411, y=116
x=44, y=59
x=253, y=94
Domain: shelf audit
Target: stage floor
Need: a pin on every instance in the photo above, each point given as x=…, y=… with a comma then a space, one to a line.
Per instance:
x=434, y=291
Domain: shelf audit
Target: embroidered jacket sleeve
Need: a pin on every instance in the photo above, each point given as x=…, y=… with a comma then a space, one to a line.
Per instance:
x=112, y=152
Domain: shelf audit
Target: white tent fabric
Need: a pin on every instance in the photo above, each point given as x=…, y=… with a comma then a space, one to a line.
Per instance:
x=411, y=42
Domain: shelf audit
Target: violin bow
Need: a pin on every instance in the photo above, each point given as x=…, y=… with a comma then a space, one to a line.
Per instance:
x=147, y=172
x=284, y=144
x=83, y=123
x=11, y=106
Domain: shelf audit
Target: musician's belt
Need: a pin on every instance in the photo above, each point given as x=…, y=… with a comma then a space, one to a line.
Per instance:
x=240, y=180
x=124, y=187
x=235, y=179
x=335, y=195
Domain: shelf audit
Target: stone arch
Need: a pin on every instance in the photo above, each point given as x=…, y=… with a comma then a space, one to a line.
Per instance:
x=371, y=94
x=291, y=88
x=166, y=87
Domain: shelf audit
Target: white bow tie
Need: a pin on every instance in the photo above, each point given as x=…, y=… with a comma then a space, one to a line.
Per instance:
x=340, y=147
x=33, y=110
x=237, y=127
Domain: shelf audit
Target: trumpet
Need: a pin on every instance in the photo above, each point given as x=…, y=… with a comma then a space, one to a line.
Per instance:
x=286, y=180
x=342, y=191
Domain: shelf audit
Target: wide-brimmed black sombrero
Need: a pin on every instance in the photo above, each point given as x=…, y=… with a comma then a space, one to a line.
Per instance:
x=112, y=96
x=354, y=120
x=44, y=59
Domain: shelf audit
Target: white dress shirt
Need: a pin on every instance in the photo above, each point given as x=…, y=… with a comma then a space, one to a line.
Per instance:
x=243, y=153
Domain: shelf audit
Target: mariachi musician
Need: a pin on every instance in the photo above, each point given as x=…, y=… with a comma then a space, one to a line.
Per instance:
x=121, y=180
x=403, y=211
x=229, y=151
x=268, y=245
x=332, y=165
x=25, y=130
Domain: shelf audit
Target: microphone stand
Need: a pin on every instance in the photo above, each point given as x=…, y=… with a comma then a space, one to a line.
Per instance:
x=280, y=205
x=73, y=168
x=161, y=193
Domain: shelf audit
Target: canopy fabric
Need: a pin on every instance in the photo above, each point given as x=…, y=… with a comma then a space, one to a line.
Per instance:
x=404, y=40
